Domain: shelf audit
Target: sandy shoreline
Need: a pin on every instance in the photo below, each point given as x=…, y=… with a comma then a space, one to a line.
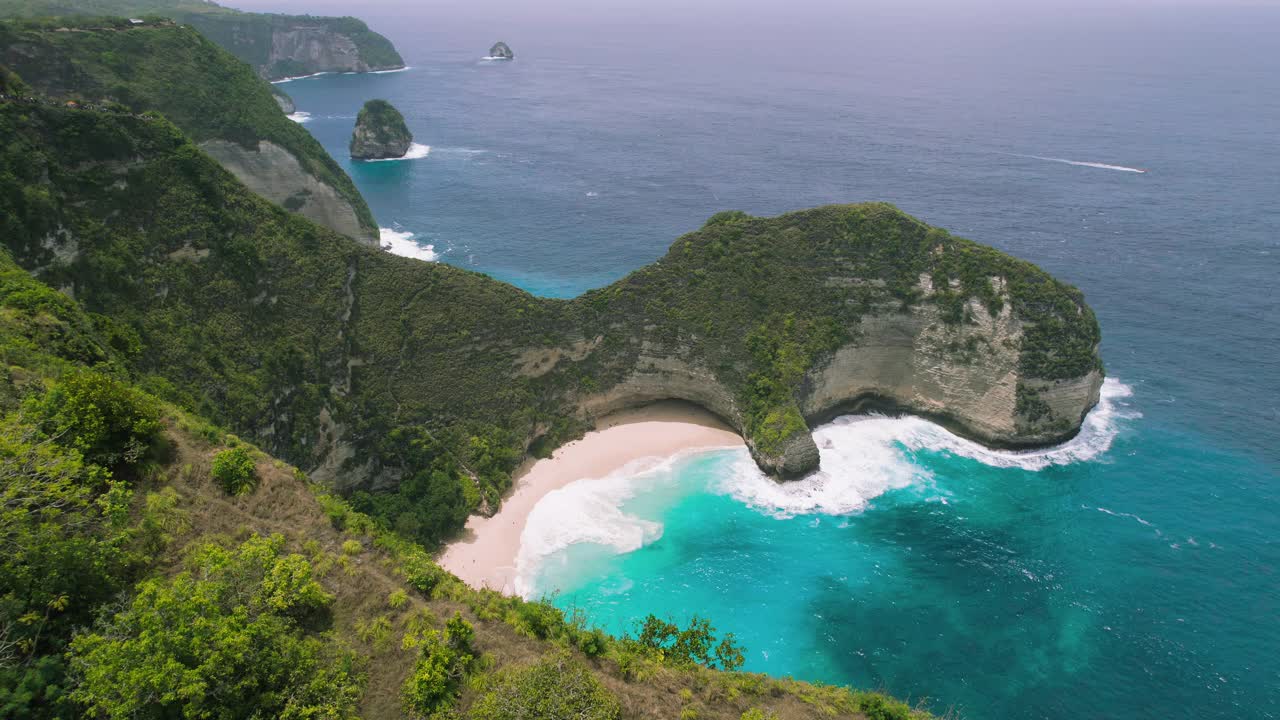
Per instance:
x=486, y=555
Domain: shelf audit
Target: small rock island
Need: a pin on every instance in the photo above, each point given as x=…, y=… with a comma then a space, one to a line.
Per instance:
x=501, y=51
x=380, y=132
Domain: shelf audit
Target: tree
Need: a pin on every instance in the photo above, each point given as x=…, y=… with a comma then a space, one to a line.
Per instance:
x=691, y=646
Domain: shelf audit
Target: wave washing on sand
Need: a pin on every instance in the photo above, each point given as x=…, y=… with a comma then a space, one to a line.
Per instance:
x=596, y=507
x=400, y=242
x=1079, y=163
x=416, y=151
x=862, y=458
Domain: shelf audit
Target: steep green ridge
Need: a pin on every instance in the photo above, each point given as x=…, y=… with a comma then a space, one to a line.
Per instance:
x=201, y=88
x=420, y=386
x=132, y=584
x=261, y=39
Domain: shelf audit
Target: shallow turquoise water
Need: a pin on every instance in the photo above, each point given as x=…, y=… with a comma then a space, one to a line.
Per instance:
x=1074, y=590
x=1143, y=580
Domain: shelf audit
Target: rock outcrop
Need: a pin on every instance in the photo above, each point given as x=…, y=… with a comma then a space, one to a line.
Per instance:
x=501, y=51
x=284, y=101
x=380, y=132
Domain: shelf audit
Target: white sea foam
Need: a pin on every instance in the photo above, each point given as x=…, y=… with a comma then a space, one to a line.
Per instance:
x=865, y=456
x=1079, y=163
x=587, y=511
x=393, y=70
x=299, y=77
x=400, y=242
x=416, y=151
x=862, y=458
x=299, y=117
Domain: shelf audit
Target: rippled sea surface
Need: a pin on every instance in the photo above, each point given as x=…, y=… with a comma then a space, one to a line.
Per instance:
x=1135, y=572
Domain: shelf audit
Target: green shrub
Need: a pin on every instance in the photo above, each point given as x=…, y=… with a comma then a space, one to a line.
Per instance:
x=224, y=640
x=879, y=707
x=397, y=599
x=235, y=470
x=111, y=423
x=556, y=688
x=433, y=684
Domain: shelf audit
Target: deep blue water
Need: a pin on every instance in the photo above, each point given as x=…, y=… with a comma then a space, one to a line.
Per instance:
x=1140, y=581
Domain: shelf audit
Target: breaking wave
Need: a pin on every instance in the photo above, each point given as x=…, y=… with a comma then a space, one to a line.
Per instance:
x=300, y=77
x=299, y=117
x=863, y=457
x=401, y=242
x=416, y=151
x=866, y=456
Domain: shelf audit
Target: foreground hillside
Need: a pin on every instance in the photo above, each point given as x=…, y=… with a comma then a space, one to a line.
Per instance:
x=276, y=46
x=214, y=98
x=417, y=388
x=156, y=566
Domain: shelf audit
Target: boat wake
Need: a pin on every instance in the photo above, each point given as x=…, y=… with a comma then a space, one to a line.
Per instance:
x=300, y=117
x=1079, y=163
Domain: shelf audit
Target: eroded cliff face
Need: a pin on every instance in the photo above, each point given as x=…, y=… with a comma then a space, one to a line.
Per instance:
x=274, y=173
x=317, y=49
x=966, y=377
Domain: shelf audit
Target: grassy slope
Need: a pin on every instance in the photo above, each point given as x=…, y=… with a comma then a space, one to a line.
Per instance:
x=246, y=35
x=216, y=97
x=285, y=331
x=44, y=335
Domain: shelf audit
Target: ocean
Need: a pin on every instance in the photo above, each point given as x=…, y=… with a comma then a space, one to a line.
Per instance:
x=1132, y=572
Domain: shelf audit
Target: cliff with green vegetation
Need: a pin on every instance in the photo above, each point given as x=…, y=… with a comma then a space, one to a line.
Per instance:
x=380, y=132
x=156, y=566
x=277, y=46
x=416, y=388
x=214, y=98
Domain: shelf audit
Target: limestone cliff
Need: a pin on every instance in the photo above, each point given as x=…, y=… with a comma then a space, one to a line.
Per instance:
x=275, y=45
x=281, y=46
x=380, y=132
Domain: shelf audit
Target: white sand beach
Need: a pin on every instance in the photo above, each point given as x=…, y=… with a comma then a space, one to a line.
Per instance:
x=486, y=554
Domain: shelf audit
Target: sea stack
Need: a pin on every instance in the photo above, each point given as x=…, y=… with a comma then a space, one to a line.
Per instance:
x=500, y=51
x=380, y=133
